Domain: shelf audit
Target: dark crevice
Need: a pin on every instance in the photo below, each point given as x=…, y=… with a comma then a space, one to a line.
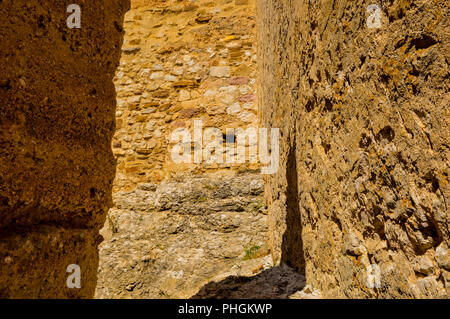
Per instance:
x=423, y=42
x=274, y=283
x=309, y=106
x=386, y=133
x=292, y=245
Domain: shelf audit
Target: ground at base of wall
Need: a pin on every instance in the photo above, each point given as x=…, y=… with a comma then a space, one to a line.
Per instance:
x=169, y=240
x=279, y=282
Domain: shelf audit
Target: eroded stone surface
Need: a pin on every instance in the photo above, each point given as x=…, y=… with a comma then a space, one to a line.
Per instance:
x=364, y=149
x=177, y=68
x=182, y=61
x=364, y=124
x=57, y=102
x=168, y=240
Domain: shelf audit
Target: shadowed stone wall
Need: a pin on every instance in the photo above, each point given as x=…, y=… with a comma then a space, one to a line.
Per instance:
x=363, y=111
x=57, y=103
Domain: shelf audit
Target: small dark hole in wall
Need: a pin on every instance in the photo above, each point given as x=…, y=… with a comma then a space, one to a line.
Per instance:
x=337, y=222
x=309, y=106
x=365, y=141
x=423, y=42
x=386, y=133
x=328, y=105
x=414, y=71
x=433, y=181
x=327, y=74
x=362, y=60
x=384, y=78
x=229, y=138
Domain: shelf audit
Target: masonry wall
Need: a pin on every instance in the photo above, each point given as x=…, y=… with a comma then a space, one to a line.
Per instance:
x=182, y=61
x=364, y=143
x=174, y=226
x=57, y=102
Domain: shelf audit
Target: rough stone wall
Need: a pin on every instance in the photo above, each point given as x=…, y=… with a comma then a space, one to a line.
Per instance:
x=364, y=143
x=57, y=102
x=176, y=227
x=182, y=60
x=169, y=240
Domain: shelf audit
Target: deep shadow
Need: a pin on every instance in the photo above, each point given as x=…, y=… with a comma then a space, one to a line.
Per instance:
x=278, y=282
x=292, y=245
x=275, y=283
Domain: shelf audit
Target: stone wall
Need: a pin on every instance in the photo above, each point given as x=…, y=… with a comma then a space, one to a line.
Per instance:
x=57, y=102
x=169, y=240
x=359, y=203
x=176, y=227
x=364, y=143
x=182, y=61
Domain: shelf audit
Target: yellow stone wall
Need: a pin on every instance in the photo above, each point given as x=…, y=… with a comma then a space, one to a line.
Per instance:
x=182, y=61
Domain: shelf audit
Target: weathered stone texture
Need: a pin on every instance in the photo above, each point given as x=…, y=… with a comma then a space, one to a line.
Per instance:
x=168, y=240
x=175, y=227
x=57, y=102
x=364, y=144
x=182, y=61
